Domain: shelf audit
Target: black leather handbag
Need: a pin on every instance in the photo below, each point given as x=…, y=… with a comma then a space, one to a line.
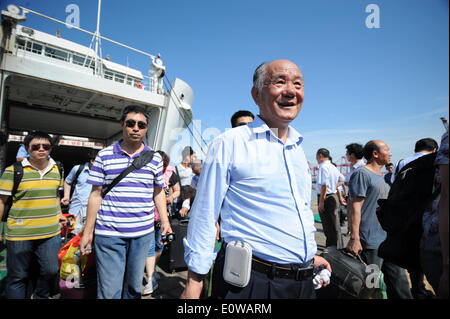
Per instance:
x=348, y=276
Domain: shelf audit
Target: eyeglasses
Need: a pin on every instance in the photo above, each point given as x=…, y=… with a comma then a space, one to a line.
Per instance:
x=132, y=123
x=37, y=147
x=242, y=123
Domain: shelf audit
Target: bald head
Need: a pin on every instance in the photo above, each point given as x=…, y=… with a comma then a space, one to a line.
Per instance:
x=263, y=72
x=377, y=150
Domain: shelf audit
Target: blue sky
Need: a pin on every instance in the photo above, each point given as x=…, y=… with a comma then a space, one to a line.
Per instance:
x=388, y=83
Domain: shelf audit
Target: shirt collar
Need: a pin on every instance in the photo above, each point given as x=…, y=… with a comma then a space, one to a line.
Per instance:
x=259, y=126
x=117, y=149
x=358, y=164
x=26, y=162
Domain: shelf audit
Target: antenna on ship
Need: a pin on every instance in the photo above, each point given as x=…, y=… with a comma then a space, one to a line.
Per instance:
x=98, y=70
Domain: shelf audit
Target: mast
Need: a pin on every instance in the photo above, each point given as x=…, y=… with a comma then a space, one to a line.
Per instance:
x=98, y=55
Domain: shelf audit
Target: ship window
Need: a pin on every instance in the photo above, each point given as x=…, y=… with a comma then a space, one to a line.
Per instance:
x=56, y=54
x=89, y=63
x=36, y=48
x=109, y=75
x=132, y=80
x=119, y=78
x=76, y=59
x=21, y=43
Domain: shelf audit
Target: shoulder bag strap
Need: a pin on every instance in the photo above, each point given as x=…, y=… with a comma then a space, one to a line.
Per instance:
x=138, y=163
x=75, y=179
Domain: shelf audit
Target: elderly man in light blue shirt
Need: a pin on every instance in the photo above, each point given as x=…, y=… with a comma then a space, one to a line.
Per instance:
x=256, y=178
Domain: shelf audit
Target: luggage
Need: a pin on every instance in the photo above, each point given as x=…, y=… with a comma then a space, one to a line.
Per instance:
x=78, y=275
x=349, y=276
x=176, y=247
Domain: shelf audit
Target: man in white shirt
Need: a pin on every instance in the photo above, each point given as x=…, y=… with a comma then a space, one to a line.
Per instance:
x=423, y=147
x=328, y=180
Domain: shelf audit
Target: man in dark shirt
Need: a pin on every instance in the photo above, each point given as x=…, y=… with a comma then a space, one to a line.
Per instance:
x=366, y=186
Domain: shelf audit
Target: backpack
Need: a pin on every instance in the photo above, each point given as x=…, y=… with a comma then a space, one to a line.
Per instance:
x=400, y=215
x=18, y=174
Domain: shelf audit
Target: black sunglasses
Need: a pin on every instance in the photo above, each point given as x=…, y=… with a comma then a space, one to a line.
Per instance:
x=132, y=123
x=37, y=147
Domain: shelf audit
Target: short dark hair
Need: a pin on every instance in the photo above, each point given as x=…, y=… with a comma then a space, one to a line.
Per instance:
x=426, y=144
x=37, y=135
x=92, y=154
x=369, y=148
x=187, y=151
x=356, y=149
x=324, y=152
x=239, y=114
x=388, y=164
x=133, y=109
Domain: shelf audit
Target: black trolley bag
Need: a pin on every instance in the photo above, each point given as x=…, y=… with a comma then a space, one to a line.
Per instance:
x=176, y=247
x=348, y=277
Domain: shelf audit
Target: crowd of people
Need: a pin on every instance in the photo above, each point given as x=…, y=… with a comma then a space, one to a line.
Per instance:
x=253, y=188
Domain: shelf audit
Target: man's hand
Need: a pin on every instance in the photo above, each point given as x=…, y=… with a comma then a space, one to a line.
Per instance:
x=65, y=201
x=165, y=229
x=354, y=246
x=183, y=211
x=217, y=231
x=320, y=261
x=86, y=243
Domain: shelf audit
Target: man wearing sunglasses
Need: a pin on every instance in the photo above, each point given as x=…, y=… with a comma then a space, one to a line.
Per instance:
x=33, y=229
x=123, y=219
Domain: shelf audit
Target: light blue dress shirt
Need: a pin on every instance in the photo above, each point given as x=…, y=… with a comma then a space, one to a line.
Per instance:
x=262, y=190
x=80, y=196
x=22, y=152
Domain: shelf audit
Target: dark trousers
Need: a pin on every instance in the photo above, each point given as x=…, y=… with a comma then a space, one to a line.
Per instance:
x=260, y=286
x=20, y=255
x=397, y=285
x=331, y=221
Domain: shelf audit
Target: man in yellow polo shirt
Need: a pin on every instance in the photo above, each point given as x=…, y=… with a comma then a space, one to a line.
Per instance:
x=33, y=229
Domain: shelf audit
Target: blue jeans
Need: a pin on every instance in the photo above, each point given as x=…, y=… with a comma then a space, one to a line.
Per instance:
x=120, y=266
x=20, y=255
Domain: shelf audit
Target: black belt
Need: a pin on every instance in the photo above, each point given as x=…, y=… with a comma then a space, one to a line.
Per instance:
x=292, y=271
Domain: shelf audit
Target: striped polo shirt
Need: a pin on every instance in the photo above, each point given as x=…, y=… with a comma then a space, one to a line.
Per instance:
x=35, y=210
x=127, y=210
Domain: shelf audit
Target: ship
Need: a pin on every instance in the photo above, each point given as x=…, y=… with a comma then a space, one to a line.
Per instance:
x=70, y=91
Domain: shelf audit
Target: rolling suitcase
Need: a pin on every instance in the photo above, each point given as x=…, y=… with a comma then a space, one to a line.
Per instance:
x=176, y=249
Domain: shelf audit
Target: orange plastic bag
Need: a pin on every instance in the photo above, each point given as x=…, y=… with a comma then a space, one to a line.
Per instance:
x=76, y=271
